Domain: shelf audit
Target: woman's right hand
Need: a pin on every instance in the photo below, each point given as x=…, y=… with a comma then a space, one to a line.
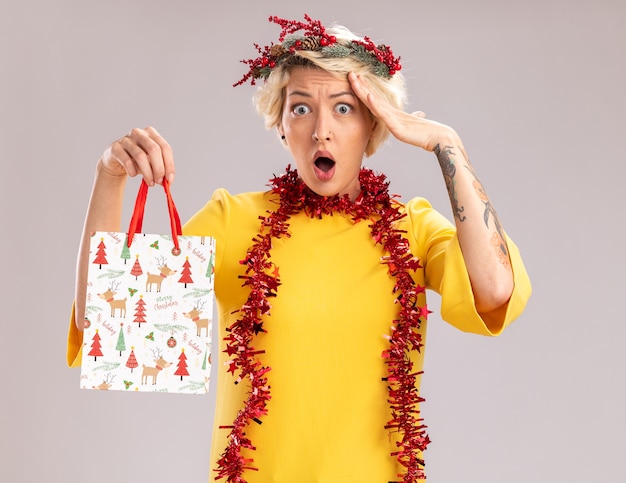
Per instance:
x=141, y=152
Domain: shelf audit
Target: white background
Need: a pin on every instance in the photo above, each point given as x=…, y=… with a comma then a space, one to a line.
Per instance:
x=536, y=90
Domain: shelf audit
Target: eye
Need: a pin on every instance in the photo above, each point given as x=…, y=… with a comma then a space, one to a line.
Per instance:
x=343, y=108
x=300, y=109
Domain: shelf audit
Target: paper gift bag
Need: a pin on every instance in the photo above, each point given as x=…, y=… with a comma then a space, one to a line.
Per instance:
x=148, y=309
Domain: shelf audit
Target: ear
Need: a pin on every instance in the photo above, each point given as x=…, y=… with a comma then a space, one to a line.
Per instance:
x=374, y=125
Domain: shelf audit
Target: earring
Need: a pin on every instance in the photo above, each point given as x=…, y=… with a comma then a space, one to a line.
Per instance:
x=282, y=137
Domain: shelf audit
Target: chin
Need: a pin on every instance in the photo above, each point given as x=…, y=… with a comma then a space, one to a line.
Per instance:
x=322, y=191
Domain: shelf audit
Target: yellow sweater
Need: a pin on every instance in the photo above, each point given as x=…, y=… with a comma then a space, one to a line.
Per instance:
x=326, y=333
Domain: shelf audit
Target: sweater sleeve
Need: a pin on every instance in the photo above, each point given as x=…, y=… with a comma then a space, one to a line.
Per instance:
x=445, y=272
x=74, y=351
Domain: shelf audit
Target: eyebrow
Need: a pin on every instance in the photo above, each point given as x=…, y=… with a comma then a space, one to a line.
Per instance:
x=332, y=96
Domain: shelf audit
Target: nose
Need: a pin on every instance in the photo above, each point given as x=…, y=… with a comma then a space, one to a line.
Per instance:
x=317, y=138
x=322, y=129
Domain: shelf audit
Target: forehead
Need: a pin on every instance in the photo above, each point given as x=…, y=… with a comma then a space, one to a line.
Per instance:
x=312, y=80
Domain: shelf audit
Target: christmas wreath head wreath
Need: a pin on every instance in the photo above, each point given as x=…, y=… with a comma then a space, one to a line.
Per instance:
x=334, y=43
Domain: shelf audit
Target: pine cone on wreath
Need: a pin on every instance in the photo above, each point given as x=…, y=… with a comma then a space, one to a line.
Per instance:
x=309, y=43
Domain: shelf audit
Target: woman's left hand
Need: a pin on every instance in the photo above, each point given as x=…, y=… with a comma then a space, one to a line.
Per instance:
x=478, y=226
x=412, y=128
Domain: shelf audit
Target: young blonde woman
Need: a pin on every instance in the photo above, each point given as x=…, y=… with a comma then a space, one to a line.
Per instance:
x=320, y=281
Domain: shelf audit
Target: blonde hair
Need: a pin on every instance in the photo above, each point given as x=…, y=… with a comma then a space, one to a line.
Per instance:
x=270, y=96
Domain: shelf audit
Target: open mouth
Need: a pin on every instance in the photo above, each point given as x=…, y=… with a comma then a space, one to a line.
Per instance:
x=324, y=164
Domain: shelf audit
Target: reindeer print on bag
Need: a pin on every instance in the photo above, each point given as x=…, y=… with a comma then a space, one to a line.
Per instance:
x=109, y=296
x=149, y=323
x=164, y=272
x=194, y=315
x=159, y=365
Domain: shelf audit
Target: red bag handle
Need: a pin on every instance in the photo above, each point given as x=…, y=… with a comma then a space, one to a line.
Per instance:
x=136, y=220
